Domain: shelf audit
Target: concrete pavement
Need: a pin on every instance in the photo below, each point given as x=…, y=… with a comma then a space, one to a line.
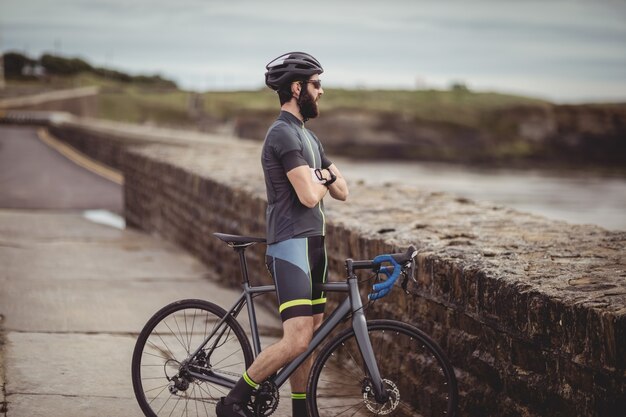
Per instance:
x=74, y=294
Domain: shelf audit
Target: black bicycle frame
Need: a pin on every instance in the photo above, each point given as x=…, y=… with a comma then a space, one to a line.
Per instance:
x=351, y=304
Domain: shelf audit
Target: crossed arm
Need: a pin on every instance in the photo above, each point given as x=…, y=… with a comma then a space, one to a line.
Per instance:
x=310, y=192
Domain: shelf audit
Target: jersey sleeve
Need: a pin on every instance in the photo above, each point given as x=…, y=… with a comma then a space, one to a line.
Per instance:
x=284, y=140
x=293, y=159
x=325, y=161
x=287, y=147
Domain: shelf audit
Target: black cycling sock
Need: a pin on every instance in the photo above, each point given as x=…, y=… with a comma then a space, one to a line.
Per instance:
x=242, y=391
x=298, y=402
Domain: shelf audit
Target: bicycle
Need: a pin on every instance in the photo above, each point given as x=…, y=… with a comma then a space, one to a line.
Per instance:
x=191, y=353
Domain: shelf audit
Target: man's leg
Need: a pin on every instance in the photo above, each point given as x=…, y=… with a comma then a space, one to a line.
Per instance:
x=300, y=377
x=297, y=333
x=318, y=264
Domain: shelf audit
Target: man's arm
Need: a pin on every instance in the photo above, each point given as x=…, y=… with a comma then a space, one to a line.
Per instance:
x=339, y=188
x=309, y=192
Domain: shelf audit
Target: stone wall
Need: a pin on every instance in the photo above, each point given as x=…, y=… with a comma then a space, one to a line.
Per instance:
x=532, y=312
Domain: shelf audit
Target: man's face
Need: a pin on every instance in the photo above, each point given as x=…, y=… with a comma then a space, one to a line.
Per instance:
x=309, y=96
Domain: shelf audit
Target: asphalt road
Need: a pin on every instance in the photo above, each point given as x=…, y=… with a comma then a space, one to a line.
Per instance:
x=34, y=176
x=74, y=294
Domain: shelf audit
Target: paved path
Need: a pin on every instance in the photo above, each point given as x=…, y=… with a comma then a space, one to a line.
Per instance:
x=32, y=175
x=73, y=296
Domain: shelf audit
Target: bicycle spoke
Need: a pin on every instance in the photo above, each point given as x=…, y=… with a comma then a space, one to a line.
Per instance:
x=356, y=366
x=203, y=389
x=411, y=371
x=162, y=387
x=163, y=372
x=175, y=405
x=186, y=330
x=357, y=410
x=335, y=382
x=189, y=331
x=227, y=357
x=203, y=400
x=166, y=401
x=193, y=391
x=358, y=406
x=173, y=334
x=154, y=377
x=156, y=356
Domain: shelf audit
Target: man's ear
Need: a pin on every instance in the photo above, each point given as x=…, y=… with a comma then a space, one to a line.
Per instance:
x=296, y=88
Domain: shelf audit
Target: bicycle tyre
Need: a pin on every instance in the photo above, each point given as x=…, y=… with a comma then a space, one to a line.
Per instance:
x=422, y=381
x=167, y=340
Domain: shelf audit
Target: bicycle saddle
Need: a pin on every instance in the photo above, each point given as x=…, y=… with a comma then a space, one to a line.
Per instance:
x=239, y=240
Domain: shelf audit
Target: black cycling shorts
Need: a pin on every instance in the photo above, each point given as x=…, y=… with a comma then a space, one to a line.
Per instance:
x=296, y=264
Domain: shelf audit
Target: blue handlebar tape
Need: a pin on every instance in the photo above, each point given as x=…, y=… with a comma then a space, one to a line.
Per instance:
x=379, y=294
x=383, y=288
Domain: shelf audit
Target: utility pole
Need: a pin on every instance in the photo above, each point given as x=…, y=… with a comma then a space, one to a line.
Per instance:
x=2, y=84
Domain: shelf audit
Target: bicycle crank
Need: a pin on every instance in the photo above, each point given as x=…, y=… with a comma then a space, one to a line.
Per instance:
x=265, y=399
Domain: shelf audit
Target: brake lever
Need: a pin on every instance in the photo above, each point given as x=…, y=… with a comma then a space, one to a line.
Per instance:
x=405, y=281
x=408, y=271
x=406, y=274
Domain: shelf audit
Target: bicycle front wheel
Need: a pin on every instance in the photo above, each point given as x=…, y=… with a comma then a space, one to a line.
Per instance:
x=168, y=379
x=417, y=376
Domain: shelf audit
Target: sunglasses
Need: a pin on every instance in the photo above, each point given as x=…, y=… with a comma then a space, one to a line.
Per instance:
x=317, y=84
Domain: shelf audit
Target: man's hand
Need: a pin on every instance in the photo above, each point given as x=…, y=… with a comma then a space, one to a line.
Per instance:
x=309, y=190
x=339, y=188
x=321, y=176
x=317, y=176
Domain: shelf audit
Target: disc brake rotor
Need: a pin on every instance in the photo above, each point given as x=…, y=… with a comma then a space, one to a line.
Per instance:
x=388, y=406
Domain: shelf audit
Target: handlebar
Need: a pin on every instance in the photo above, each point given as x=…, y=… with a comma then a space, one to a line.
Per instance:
x=399, y=263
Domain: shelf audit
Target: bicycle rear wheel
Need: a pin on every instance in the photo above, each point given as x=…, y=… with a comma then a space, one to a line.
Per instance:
x=165, y=376
x=419, y=379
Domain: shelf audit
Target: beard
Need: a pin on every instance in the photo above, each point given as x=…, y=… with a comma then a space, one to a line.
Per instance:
x=308, y=107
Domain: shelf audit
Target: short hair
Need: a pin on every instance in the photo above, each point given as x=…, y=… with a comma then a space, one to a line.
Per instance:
x=284, y=92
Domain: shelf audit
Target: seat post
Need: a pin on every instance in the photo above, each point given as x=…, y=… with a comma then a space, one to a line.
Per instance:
x=241, y=250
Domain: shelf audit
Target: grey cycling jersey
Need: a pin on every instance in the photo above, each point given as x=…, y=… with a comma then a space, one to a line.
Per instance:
x=288, y=144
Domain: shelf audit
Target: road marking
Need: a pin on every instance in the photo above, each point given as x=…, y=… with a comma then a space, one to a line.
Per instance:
x=80, y=158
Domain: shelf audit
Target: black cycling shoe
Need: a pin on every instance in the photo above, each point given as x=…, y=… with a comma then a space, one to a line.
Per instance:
x=227, y=409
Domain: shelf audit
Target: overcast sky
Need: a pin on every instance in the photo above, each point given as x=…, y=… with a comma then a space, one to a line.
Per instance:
x=562, y=50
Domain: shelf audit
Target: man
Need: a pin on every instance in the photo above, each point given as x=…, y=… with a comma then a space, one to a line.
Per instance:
x=298, y=175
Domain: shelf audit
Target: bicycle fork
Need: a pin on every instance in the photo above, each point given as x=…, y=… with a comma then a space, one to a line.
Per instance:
x=359, y=325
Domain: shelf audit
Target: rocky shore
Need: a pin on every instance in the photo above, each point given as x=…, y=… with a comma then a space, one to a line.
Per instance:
x=542, y=135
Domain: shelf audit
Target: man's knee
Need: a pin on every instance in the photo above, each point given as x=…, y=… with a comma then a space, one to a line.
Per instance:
x=298, y=332
x=317, y=321
x=300, y=342
x=301, y=345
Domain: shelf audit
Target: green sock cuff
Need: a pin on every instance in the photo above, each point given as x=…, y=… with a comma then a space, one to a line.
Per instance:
x=298, y=395
x=249, y=380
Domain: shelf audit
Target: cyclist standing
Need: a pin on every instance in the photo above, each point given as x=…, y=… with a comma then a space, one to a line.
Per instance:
x=298, y=175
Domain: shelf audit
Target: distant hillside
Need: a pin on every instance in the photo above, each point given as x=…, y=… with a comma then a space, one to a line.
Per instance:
x=449, y=126
x=21, y=67
x=457, y=125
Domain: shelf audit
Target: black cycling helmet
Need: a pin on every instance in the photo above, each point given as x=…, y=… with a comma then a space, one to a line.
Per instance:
x=288, y=66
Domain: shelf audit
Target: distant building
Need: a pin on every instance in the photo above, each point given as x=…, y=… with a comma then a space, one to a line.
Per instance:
x=35, y=70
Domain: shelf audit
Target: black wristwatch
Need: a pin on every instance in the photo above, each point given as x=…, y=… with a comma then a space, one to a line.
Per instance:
x=327, y=183
x=332, y=179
